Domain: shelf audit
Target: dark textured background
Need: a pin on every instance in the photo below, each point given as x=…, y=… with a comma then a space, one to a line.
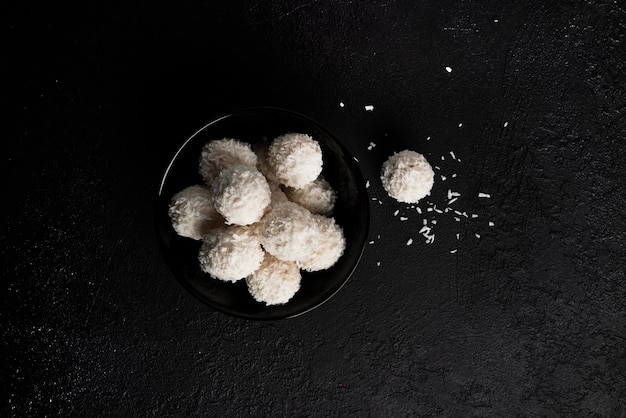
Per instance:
x=528, y=320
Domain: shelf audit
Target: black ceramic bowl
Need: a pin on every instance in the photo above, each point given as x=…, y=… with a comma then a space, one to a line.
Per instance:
x=351, y=213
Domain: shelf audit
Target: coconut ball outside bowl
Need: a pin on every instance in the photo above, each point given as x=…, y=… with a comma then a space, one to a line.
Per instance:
x=258, y=127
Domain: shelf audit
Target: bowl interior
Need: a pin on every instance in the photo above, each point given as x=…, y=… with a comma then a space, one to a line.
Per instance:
x=351, y=213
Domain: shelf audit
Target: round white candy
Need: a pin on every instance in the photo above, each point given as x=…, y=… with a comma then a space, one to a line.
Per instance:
x=318, y=197
x=295, y=159
x=329, y=246
x=275, y=282
x=288, y=232
x=241, y=194
x=407, y=176
x=192, y=212
x=223, y=153
x=230, y=253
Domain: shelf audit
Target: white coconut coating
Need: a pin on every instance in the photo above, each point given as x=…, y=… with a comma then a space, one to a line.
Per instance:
x=192, y=212
x=295, y=159
x=318, y=196
x=262, y=152
x=275, y=282
x=288, y=232
x=329, y=245
x=223, y=153
x=407, y=176
x=241, y=194
x=230, y=253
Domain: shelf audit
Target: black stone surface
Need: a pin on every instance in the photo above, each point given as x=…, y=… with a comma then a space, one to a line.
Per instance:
x=527, y=320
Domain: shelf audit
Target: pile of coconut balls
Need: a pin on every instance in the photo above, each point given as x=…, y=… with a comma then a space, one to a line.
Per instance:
x=263, y=214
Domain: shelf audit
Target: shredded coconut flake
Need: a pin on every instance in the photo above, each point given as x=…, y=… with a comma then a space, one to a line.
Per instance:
x=449, y=69
x=491, y=223
x=369, y=108
x=485, y=195
x=410, y=241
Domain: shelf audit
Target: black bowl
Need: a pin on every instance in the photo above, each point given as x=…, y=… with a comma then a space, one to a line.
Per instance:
x=351, y=213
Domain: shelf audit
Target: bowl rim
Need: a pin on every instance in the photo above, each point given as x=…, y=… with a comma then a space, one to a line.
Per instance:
x=360, y=186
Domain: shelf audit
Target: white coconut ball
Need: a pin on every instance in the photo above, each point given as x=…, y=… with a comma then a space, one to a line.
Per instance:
x=329, y=246
x=295, y=159
x=407, y=176
x=288, y=232
x=241, y=194
x=230, y=253
x=275, y=282
x=192, y=212
x=318, y=196
x=223, y=153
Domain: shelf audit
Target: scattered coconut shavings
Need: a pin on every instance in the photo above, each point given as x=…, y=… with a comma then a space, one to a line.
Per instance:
x=491, y=223
x=458, y=213
x=443, y=158
x=457, y=219
x=477, y=235
x=402, y=218
x=460, y=125
x=341, y=104
x=453, y=200
x=458, y=236
x=448, y=69
x=373, y=198
x=367, y=184
x=377, y=236
x=452, y=154
x=486, y=195
x=506, y=124
x=434, y=222
x=410, y=241
x=452, y=251
x=418, y=210
x=371, y=242
x=380, y=202
x=378, y=264
x=453, y=175
x=369, y=108
x=443, y=178
x=437, y=210
x=428, y=139
x=452, y=194
x=474, y=215
x=429, y=209
x=356, y=159
x=437, y=167
x=396, y=213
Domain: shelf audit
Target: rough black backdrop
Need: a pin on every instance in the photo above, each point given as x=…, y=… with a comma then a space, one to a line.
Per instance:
x=527, y=320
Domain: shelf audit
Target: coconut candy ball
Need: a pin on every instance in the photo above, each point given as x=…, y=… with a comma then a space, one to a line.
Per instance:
x=223, y=153
x=295, y=159
x=230, y=253
x=407, y=176
x=192, y=212
x=275, y=282
x=241, y=194
x=318, y=196
x=329, y=245
x=288, y=232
